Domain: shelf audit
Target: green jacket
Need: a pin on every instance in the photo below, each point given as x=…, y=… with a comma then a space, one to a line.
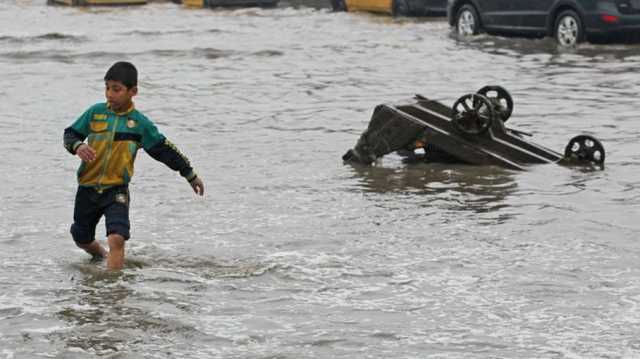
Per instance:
x=116, y=138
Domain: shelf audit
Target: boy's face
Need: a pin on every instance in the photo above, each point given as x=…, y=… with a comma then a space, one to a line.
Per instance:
x=118, y=95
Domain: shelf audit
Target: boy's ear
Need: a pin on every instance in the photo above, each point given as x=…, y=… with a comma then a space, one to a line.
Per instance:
x=133, y=91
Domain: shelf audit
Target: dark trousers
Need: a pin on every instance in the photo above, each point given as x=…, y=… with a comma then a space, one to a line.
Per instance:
x=91, y=204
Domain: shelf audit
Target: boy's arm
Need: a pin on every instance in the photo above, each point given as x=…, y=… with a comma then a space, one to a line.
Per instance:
x=72, y=139
x=161, y=149
x=167, y=153
x=75, y=134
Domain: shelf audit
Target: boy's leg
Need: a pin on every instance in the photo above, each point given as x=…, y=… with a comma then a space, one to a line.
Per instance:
x=86, y=215
x=116, y=213
x=94, y=248
x=115, y=259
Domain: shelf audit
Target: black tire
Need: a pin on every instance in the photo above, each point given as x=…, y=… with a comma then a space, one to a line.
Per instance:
x=501, y=99
x=468, y=21
x=339, y=5
x=472, y=114
x=585, y=149
x=400, y=8
x=568, y=29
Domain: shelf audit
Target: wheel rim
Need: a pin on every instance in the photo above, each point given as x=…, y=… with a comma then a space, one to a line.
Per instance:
x=466, y=23
x=472, y=114
x=585, y=149
x=568, y=29
x=501, y=99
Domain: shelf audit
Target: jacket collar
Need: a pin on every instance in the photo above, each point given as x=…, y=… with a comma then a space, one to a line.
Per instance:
x=128, y=111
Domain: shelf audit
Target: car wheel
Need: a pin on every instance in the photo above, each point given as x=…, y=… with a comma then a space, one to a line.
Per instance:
x=467, y=21
x=568, y=30
x=400, y=8
x=339, y=5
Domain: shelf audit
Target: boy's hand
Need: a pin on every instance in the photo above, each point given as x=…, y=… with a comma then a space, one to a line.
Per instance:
x=198, y=186
x=86, y=153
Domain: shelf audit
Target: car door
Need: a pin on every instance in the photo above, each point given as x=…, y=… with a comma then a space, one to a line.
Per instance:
x=531, y=15
x=496, y=13
x=436, y=6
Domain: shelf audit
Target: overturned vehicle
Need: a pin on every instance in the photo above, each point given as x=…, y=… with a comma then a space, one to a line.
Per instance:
x=473, y=131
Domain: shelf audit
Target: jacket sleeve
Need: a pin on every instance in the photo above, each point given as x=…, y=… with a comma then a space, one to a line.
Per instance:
x=75, y=134
x=161, y=149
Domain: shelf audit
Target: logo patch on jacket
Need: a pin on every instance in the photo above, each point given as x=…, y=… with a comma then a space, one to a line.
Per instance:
x=100, y=116
x=131, y=123
x=98, y=126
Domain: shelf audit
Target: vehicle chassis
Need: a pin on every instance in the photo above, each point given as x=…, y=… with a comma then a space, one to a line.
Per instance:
x=473, y=131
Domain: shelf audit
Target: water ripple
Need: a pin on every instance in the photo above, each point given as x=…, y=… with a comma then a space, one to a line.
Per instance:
x=292, y=253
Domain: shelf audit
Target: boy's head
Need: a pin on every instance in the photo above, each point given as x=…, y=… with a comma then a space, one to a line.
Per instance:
x=123, y=72
x=121, y=84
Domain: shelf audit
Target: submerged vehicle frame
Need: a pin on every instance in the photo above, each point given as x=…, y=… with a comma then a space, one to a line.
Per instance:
x=473, y=131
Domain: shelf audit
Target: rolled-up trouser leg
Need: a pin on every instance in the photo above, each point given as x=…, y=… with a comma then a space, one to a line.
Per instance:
x=86, y=214
x=116, y=212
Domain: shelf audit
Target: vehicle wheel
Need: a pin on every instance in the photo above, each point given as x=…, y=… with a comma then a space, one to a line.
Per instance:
x=585, y=149
x=467, y=21
x=400, y=8
x=472, y=114
x=501, y=99
x=568, y=29
x=339, y=5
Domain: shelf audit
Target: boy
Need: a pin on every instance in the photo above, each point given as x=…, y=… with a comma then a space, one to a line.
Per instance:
x=115, y=131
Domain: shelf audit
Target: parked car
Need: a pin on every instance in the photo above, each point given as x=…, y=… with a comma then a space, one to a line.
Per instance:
x=568, y=21
x=394, y=7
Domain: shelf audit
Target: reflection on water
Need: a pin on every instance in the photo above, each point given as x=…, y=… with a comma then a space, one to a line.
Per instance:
x=475, y=188
x=106, y=315
x=109, y=312
x=522, y=46
x=99, y=313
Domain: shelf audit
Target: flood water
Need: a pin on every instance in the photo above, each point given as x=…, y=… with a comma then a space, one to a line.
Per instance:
x=291, y=253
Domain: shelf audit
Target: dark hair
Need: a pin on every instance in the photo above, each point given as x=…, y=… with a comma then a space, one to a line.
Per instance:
x=124, y=72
